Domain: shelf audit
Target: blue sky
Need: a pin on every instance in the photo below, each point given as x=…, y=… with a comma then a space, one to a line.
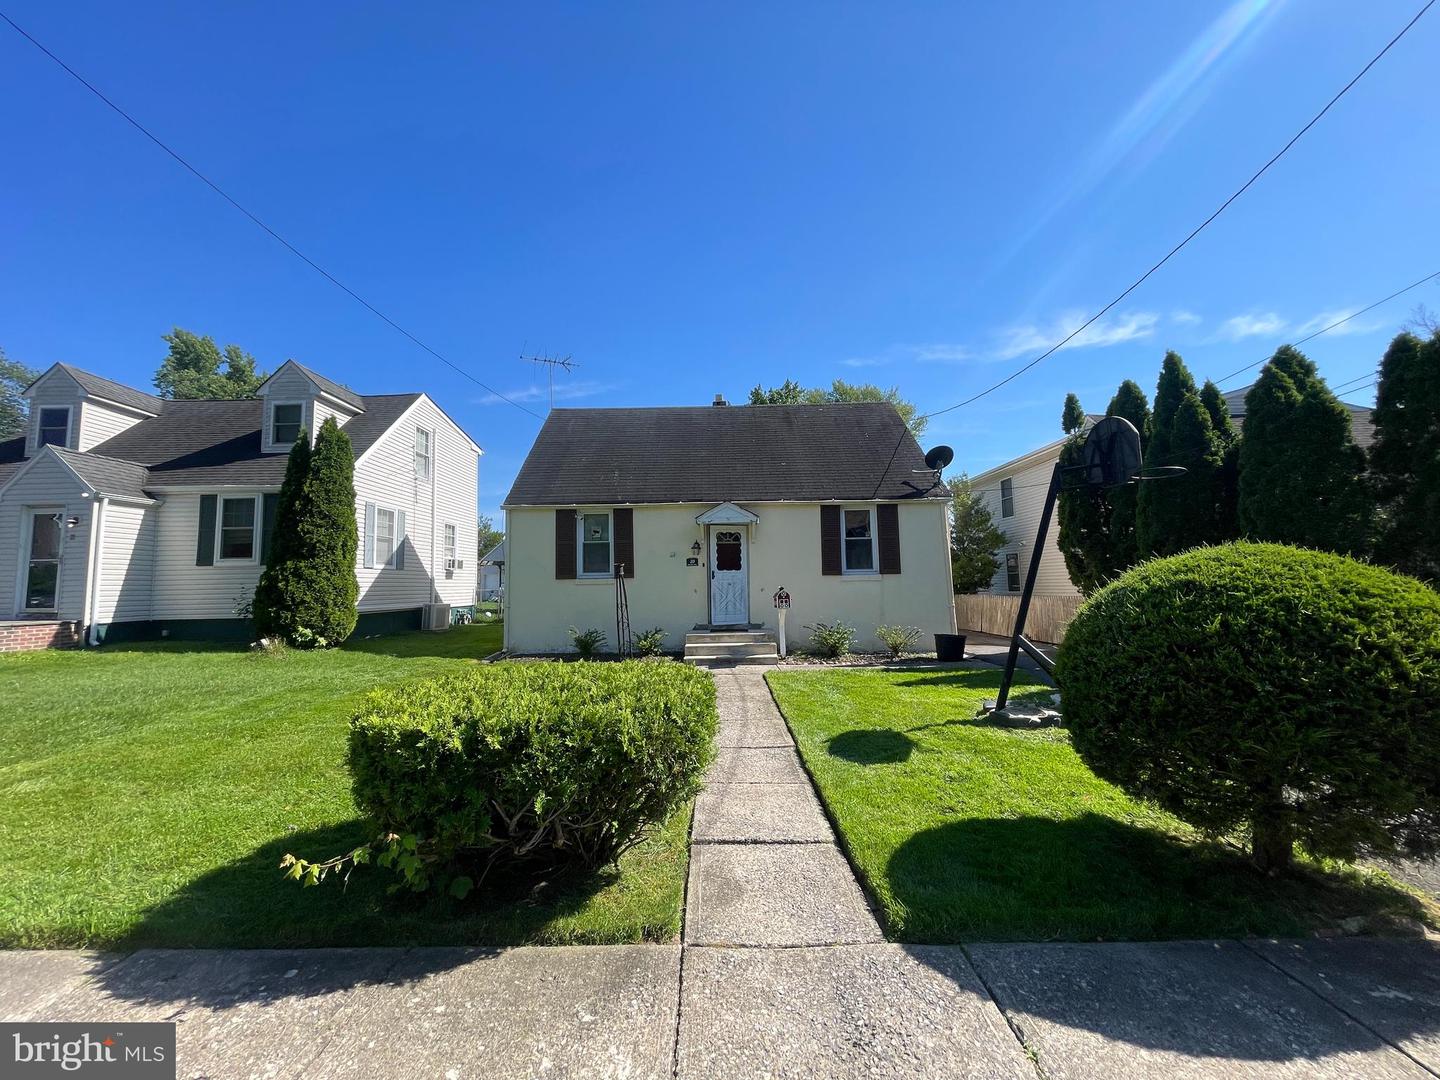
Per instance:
x=693, y=200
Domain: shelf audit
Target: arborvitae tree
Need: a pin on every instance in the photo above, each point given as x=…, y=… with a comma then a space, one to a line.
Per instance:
x=1227, y=524
x=1180, y=512
x=974, y=538
x=1302, y=478
x=314, y=588
x=1405, y=458
x=1129, y=402
x=1072, y=419
x=272, y=599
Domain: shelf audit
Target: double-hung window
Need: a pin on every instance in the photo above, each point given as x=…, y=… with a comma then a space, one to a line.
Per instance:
x=1012, y=571
x=235, y=535
x=54, y=427
x=285, y=421
x=384, y=537
x=422, y=453
x=450, y=552
x=1007, y=498
x=857, y=541
x=595, y=555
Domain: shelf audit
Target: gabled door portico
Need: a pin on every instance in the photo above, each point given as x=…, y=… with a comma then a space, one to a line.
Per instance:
x=728, y=543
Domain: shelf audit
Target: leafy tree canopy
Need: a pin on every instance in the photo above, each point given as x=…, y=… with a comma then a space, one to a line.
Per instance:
x=14, y=377
x=792, y=393
x=974, y=538
x=192, y=369
x=486, y=535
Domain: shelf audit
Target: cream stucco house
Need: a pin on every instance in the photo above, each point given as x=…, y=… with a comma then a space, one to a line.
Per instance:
x=126, y=516
x=706, y=512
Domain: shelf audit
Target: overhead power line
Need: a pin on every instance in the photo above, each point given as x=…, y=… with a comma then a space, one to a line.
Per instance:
x=1338, y=322
x=256, y=219
x=1198, y=229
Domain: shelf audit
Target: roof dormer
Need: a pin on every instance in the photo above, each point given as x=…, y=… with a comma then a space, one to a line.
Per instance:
x=75, y=410
x=297, y=399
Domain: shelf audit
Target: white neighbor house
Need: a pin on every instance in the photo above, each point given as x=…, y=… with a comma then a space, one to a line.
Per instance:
x=1014, y=493
x=126, y=516
x=710, y=510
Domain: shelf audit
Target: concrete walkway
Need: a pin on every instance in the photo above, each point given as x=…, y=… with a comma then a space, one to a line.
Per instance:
x=782, y=973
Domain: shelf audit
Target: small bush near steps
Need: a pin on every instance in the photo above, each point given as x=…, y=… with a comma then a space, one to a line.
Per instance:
x=1288, y=693
x=831, y=639
x=555, y=765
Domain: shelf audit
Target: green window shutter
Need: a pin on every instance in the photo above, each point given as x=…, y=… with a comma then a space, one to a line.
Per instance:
x=268, y=505
x=887, y=516
x=564, y=544
x=830, y=540
x=205, y=536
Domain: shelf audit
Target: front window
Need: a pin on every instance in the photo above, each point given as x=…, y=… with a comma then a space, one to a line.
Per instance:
x=285, y=423
x=422, y=453
x=1012, y=572
x=384, y=537
x=236, y=534
x=450, y=553
x=54, y=428
x=1007, y=497
x=858, y=541
x=595, y=544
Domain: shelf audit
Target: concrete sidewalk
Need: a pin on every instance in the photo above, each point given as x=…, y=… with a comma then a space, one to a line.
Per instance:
x=782, y=973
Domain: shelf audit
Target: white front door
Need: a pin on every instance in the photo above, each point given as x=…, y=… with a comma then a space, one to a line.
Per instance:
x=41, y=567
x=729, y=577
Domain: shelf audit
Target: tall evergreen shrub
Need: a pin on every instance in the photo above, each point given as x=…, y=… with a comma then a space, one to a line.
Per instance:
x=1405, y=458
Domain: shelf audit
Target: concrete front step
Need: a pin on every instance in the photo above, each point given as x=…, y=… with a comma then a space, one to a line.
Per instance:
x=731, y=650
x=728, y=637
x=726, y=661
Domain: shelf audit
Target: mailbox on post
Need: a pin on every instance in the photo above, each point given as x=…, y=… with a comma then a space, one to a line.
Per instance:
x=782, y=605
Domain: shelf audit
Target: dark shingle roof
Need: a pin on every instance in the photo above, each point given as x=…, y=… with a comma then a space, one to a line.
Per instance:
x=741, y=453
x=12, y=456
x=331, y=387
x=114, y=391
x=106, y=476
x=218, y=442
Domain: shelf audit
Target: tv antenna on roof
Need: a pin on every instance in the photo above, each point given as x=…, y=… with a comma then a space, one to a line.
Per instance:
x=551, y=363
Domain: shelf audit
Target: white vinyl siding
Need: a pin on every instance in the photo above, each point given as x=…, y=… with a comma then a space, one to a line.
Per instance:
x=99, y=421
x=1027, y=490
x=127, y=563
x=46, y=483
x=56, y=390
x=386, y=477
x=183, y=590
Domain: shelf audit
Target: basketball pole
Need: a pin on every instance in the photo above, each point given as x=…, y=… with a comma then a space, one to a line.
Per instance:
x=1018, y=640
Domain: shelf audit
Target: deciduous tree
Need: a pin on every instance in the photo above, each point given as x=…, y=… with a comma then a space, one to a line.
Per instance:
x=14, y=377
x=792, y=393
x=974, y=538
x=192, y=369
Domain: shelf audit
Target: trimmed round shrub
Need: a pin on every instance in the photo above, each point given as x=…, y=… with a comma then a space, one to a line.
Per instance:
x=1291, y=693
x=562, y=764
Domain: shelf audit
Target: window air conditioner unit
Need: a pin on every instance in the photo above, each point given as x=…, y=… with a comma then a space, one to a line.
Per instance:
x=437, y=616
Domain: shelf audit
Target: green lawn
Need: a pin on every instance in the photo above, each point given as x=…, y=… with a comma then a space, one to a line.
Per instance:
x=965, y=831
x=149, y=793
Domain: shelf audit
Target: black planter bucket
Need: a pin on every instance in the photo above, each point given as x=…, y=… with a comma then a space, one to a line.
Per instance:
x=949, y=646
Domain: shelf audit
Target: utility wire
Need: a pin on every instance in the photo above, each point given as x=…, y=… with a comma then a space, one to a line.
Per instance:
x=1340, y=322
x=254, y=218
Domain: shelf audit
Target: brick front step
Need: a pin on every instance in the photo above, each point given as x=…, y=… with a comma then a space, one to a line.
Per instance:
x=30, y=635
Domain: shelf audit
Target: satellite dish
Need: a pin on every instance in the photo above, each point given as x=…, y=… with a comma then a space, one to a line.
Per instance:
x=939, y=457
x=1111, y=454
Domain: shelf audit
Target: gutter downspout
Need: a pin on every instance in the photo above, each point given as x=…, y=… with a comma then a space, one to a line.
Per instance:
x=97, y=541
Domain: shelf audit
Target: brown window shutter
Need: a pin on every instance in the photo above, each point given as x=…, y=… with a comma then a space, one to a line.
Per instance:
x=829, y=539
x=888, y=517
x=624, y=520
x=564, y=543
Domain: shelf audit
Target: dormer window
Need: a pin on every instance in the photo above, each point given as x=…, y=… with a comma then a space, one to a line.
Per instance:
x=285, y=421
x=54, y=428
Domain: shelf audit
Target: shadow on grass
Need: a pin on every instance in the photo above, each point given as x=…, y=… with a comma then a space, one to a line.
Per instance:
x=1093, y=878
x=249, y=904
x=871, y=747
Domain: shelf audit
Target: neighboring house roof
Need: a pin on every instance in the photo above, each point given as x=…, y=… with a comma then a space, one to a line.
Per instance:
x=111, y=390
x=733, y=453
x=495, y=554
x=106, y=476
x=1362, y=423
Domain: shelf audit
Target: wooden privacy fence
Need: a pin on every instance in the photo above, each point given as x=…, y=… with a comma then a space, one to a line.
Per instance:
x=990, y=614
